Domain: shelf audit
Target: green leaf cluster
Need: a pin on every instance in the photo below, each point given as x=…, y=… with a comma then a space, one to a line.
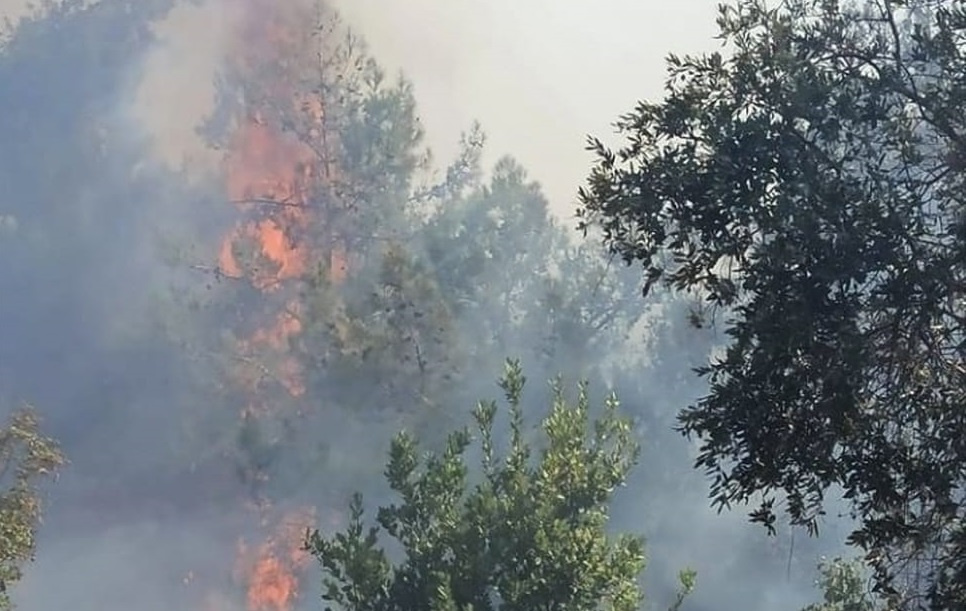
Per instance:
x=526, y=530
x=26, y=457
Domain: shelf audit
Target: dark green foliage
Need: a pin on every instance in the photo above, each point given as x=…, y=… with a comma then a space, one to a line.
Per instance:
x=810, y=187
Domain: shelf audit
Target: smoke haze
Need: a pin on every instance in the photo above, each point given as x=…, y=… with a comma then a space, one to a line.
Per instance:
x=539, y=75
x=129, y=525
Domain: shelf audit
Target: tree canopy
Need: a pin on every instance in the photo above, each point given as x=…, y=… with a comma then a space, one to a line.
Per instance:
x=808, y=184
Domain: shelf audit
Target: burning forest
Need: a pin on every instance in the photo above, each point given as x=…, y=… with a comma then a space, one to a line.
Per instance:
x=225, y=348
x=279, y=174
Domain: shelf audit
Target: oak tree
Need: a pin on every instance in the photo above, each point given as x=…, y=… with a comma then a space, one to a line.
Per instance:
x=808, y=184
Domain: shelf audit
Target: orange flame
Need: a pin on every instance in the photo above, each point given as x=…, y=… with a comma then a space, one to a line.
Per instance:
x=271, y=175
x=271, y=170
x=274, y=178
x=255, y=355
x=268, y=166
x=272, y=570
x=272, y=587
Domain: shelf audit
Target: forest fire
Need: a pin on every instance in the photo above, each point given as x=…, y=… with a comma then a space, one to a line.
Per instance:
x=267, y=170
x=271, y=177
x=272, y=587
x=271, y=340
x=272, y=569
x=270, y=171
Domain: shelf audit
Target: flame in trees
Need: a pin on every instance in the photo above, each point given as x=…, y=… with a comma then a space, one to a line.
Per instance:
x=267, y=169
x=271, y=177
x=275, y=179
x=264, y=357
x=273, y=174
x=272, y=569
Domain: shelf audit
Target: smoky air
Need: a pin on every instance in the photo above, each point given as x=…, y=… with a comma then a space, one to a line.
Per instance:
x=240, y=249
